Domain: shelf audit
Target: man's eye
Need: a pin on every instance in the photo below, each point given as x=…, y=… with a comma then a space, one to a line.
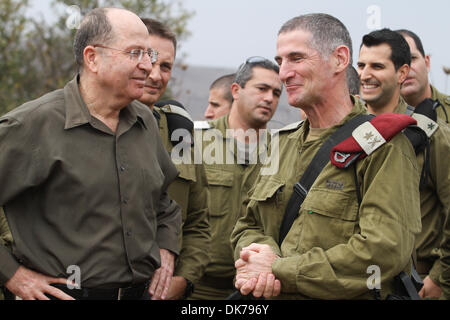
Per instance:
x=135, y=52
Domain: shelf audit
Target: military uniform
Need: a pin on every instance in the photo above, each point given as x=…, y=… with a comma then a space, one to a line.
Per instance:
x=444, y=100
x=189, y=190
x=331, y=244
x=228, y=186
x=5, y=237
x=434, y=198
x=444, y=278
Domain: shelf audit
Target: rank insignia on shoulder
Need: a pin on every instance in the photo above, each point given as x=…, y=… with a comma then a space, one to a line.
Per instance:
x=368, y=137
x=289, y=127
x=201, y=125
x=426, y=124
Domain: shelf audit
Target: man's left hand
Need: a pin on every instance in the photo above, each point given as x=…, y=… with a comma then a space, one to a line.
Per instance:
x=162, y=278
x=430, y=289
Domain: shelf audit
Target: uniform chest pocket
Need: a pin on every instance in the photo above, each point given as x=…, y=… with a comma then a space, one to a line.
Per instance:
x=220, y=188
x=269, y=187
x=329, y=218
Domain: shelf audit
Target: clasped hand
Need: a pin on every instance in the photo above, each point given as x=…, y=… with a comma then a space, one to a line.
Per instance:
x=254, y=272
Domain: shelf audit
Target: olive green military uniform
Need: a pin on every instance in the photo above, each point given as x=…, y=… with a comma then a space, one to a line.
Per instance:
x=444, y=279
x=331, y=244
x=189, y=190
x=5, y=237
x=444, y=100
x=434, y=199
x=228, y=186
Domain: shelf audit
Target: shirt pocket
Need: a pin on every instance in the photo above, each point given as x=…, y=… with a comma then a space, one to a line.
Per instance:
x=329, y=218
x=220, y=188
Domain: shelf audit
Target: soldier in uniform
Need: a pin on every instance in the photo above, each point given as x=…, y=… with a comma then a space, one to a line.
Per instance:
x=232, y=165
x=189, y=189
x=444, y=279
x=352, y=221
x=220, y=97
x=383, y=66
x=417, y=87
x=86, y=175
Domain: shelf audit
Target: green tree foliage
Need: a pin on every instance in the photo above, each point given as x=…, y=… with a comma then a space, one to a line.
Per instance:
x=36, y=56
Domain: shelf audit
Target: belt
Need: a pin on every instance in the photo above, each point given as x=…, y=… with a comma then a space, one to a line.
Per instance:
x=136, y=292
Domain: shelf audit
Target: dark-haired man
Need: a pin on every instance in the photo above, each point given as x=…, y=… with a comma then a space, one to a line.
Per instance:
x=220, y=97
x=383, y=66
x=189, y=189
x=86, y=175
x=417, y=86
x=232, y=146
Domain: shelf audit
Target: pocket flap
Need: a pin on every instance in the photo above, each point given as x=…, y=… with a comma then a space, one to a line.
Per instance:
x=187, y=172
x=330, y=203
x=266, y=188
x=218, y=177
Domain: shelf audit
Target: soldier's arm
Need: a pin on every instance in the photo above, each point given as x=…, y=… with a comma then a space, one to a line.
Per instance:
x=444, y=278
x=389, y=218
x=194, y=255
x=440, y=173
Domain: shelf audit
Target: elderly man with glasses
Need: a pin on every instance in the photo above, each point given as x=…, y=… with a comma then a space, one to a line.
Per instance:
x=231, y=145
x=85, y=175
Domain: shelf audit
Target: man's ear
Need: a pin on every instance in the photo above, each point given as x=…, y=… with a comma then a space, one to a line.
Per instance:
x=428, y=62
x=235, y=88
x=90, y=56
x=342, y=58
x=402, y=73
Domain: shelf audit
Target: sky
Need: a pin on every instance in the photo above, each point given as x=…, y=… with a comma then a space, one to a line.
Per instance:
x=226, y=32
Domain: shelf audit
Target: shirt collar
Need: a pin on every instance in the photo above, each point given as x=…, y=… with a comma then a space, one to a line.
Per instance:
x=78, y=114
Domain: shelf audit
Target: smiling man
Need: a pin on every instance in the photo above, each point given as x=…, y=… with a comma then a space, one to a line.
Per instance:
x=256, y=91
x=188, y=189
x=351, y=218
x=87, y=175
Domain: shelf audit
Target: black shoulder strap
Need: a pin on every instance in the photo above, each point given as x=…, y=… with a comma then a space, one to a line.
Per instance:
x=316, y=166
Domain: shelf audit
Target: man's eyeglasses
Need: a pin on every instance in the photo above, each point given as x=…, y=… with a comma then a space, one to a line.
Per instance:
x=135, y=54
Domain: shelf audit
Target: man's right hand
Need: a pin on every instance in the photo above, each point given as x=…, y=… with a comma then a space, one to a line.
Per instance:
x=30, y=285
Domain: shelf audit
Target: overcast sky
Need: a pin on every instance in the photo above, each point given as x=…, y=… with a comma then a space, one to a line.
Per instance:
x=226, y=32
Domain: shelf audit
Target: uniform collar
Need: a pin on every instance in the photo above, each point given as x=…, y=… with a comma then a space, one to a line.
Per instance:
x=77, y=113
x=358, y=108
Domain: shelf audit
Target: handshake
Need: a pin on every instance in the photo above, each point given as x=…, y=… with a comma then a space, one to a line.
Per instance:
x=254, y=272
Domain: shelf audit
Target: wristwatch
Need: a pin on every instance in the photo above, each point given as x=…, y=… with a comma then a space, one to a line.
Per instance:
x=189, y=289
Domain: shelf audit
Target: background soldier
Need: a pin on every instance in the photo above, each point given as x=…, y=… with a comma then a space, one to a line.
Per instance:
x=417, y=87
x=220, y=97
x=189, y=190
x=86, y=174
x=383, y=66
x=256, y=92
x=351, y=219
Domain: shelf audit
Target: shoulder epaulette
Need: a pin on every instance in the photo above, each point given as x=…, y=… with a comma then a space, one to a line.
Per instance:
x=201, y=125
x=177, y=118
x=368, y=137
x=289, y=127
x=426, y=116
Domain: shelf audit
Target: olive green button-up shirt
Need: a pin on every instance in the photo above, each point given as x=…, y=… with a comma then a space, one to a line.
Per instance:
x=228, y=185
x=189, y=190
x=333, y=248
x=77, y=194
x=444, y=100
x=434, y=197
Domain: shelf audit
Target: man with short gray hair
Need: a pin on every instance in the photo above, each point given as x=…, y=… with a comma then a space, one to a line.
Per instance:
x=323, y=238
x=85, y=175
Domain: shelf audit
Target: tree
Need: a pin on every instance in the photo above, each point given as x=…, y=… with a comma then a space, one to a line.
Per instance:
x=37, y=57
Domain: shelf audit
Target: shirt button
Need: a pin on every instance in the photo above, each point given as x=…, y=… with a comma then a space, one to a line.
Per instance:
x=125, y=201
x=122, y=168
x=129, y=233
